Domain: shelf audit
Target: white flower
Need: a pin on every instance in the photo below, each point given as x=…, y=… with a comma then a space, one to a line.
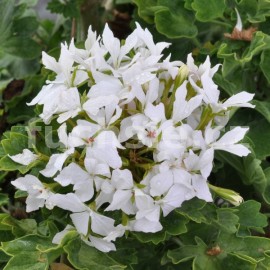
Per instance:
x=208, y=90
x=176, y=195
x=229, y=141
x=202, y=163
x=83, y=133
x=147, y=216
x=25, y=158
x=104, y=148
x=38, y=194
x=239, y=100
x=146, y=40
x=146, y=127
x=61, y=95
x=122, y=183
x=181, y=107
x=56, y=163
x=104, y=110
x=170, y=110
x=118, y=53
x=83, y=181
x=195, y=72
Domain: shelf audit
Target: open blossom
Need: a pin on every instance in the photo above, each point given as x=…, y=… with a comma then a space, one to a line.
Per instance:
x=38, y=194
x=137, y=135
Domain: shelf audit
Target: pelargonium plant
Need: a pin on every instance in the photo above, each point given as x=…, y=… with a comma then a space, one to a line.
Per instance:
x=137, y=134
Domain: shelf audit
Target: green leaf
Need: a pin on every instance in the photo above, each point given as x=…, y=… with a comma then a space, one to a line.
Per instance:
x=121, y=2
x=175, y=21
x=173, y=224
x=248, y=8
x=252, y=247
x=233, y=60
x=4, y=199
x=15, y=144
x=31, y=251
x=226, y=85
x=20, y=194
x=264, y=64
x=146, y=9
x=125, y=255
x=30, y=3
x=232, y=260
x=227, y=220
x=27, y=243
x=5, y=230
x=25, y=26
x=3, y=257
x=16, y=35
x=250, y=209
x=192, y=210
x=198, y=253
x=6, y=12
x=259, y=135
x=22, y=47
x=69, y=8
x=228, y=251
x=263, y=107
x=21, y=227
x=207, y=10
x=28, y=260
x=263, y=11
x=84, y=257
x=155, y=238
x=250, y=171
x=6, y=164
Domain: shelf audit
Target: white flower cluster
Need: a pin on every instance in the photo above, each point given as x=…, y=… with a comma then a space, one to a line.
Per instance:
x=138, y=135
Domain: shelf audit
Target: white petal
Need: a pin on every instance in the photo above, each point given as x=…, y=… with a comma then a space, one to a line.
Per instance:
x=109, y=155
x=120, y=199
x=50, y=63
x=71, y=174
x=201, y=188
x=84, y=189
x=126, y=130
x=68, y=202
x=232, y=136
x=155, y=113
x=60, y=235
x=27, y=183
x=62, y=134
x=100, y=244
x=56, y=163
x=81, y=221
x=161, y=183
x=239, y=25
x=144, y=225
x=33, y=203
x=94, y=167
x=236, y=149
x=175, y=197
x=25, y=158
x=122, y=179
x=101, y=224
x=239, y=100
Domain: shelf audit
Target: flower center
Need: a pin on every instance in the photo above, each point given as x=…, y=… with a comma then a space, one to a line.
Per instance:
x=90, y=140
x=151, y=134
